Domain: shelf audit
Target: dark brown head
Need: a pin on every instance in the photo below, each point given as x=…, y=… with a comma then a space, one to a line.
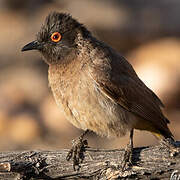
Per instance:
x=57, y=38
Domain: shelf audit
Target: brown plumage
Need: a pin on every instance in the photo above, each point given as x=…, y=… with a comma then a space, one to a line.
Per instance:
x=93, y=84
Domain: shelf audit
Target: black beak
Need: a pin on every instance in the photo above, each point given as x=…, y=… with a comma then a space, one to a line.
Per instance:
x=34, y=45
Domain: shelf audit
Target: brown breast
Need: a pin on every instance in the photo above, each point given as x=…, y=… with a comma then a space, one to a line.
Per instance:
x=84, y=105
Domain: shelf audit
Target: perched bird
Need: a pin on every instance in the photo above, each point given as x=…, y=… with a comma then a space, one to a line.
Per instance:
x=96, y=87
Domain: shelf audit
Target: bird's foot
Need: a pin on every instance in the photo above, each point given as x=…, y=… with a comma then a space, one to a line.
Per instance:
x=171, y=146
x=127, y=159
x=77, y=152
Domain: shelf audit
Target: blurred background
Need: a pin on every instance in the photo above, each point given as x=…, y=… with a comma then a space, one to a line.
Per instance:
x=147, y=33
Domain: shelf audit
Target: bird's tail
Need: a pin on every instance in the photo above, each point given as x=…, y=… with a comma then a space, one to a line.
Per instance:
x=164, y=133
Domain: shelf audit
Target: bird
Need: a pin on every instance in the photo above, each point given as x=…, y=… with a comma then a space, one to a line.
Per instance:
x=95, y=86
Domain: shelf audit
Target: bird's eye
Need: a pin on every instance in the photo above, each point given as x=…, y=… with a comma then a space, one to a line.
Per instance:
x=56, y=37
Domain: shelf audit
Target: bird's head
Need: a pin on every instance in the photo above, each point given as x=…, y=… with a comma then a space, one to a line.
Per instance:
x=57, y=38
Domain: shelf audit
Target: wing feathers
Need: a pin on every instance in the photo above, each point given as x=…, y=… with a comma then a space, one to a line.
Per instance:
x=117, y=79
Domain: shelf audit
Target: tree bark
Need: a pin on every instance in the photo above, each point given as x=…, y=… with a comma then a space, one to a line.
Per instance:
x=153, y=162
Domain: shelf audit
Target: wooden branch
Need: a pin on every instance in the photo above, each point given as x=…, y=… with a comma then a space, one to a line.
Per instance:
x=148, y=162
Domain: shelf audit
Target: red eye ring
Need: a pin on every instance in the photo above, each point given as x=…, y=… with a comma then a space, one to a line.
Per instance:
x=56, y=37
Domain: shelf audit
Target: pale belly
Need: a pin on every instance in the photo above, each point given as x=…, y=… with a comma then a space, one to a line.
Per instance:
x=87, y=108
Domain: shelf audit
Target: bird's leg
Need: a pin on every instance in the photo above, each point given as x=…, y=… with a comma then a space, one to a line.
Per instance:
x=77, y=151
x=128, y=152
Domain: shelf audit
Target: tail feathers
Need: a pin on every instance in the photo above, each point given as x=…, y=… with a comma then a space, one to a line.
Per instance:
x=167, y=120
x=164, y=133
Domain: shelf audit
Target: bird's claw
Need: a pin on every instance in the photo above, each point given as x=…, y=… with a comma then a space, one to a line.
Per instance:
x=127, y=159
x=77, y=152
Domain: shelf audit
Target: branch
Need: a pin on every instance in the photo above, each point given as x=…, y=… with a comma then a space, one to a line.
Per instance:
x=152, y=162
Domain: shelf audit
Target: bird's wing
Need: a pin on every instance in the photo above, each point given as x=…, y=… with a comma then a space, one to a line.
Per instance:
x=117, y=80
